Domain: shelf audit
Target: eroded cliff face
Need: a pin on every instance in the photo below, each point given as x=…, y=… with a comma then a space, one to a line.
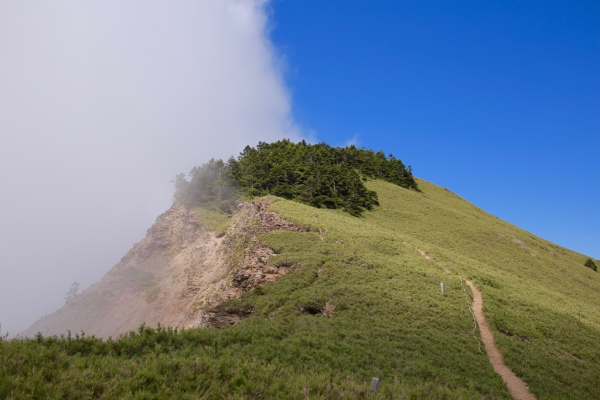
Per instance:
x=176, y=276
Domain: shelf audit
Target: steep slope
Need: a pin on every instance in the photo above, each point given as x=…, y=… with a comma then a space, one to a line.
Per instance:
x=361, y=298
x=147, y=285
x=540, y=299
x=175, y=276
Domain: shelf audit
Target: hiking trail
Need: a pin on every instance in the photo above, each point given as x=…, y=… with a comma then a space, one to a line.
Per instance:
x=517, y=388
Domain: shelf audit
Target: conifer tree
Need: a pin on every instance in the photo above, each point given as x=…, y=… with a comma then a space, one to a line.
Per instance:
x=319, y=175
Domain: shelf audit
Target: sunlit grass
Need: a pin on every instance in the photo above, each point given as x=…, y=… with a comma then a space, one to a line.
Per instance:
x=213, y=219
x=541, y=300
x=390, y=319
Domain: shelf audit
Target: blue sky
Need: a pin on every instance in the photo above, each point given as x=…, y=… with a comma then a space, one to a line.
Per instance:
x=497, y=101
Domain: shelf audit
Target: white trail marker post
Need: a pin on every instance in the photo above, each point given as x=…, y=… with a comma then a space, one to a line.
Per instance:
x=374, y=385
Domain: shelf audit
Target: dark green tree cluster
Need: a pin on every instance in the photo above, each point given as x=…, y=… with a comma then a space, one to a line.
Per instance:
x=319, y=175
x=591, y=264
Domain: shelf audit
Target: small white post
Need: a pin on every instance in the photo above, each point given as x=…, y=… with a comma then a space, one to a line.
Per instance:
x=442, y=287
x=374, y=385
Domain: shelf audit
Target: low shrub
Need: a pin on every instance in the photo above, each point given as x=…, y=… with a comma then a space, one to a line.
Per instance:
x=591, y=264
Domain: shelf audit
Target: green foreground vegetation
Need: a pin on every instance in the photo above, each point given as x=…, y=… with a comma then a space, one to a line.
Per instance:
x=390, y=319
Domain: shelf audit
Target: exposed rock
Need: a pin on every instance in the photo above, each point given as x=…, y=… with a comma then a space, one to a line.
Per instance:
x=328, y=309
x=177, y=275
x=216, y=318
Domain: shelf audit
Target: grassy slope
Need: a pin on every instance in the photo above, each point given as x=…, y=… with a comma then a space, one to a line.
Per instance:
x=390, y=320
x=541, y=301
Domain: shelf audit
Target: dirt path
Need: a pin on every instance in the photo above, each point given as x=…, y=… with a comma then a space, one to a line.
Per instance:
x=517, y=388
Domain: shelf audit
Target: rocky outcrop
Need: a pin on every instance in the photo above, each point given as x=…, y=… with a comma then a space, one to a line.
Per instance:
x=218, y=318
x=177, y=276
x=248, y=257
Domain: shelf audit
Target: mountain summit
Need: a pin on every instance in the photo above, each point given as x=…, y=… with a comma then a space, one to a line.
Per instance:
x=312, y=298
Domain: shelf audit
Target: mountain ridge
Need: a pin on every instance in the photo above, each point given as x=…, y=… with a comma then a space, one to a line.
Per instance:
x=362, y=298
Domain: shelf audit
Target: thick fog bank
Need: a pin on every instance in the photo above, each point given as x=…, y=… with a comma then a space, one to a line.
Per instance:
x=101, y=104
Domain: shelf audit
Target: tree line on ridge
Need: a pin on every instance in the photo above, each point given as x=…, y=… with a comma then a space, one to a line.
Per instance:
x=318, y=175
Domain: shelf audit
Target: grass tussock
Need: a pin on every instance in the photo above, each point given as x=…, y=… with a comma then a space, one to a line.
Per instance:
x=213, y=219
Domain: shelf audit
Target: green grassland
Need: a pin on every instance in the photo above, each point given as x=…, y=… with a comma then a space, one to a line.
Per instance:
x=212, y=219
x=390, y=319
x=543, y=304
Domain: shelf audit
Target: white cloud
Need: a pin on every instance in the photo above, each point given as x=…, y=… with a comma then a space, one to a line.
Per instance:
x=101, y=104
